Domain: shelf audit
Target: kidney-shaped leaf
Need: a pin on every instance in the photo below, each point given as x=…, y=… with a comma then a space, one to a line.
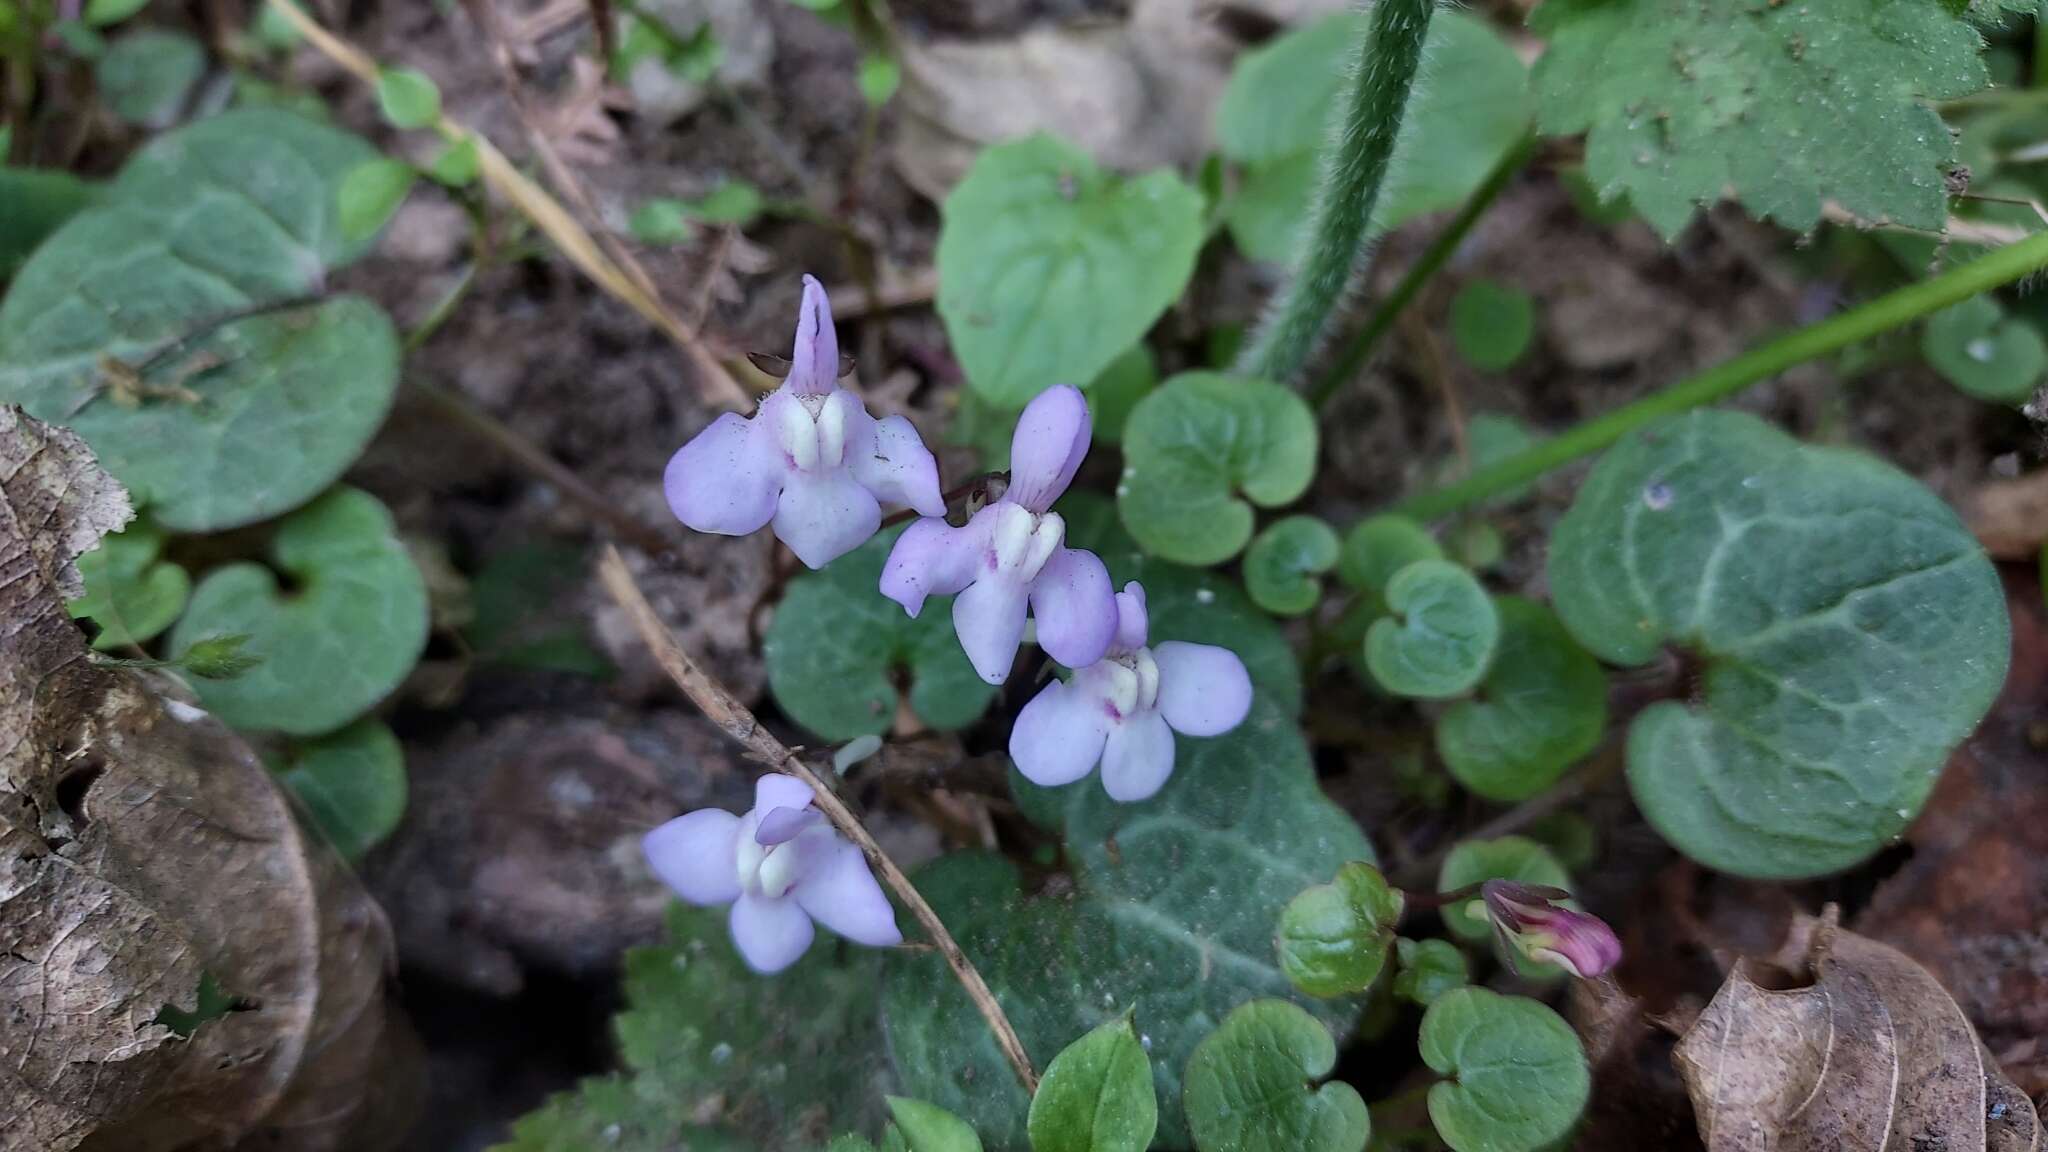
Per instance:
x=1283, y=563
x=1199, y=451
x=1049, y=267
x=1517, y=1075
x=1442, y=633
x=1851, y=630
x=1251, y=1086
x=1542, y=705
x=1334, y=937
x=1096, y=1095
x=332, y=646
x=836, y=644
x=1984, y=352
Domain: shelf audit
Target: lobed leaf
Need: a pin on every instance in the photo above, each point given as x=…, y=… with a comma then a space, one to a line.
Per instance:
x=1429, y=968
x=1982, y=351
x=1441, y=636
x=1518, y=1077
x=1251, y=1086
x=1282, y=565
x=1334, y=937
x=130, y=593
x=1542, y=706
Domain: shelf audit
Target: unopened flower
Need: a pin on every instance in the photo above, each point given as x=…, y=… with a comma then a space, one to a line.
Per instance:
x=1124, y=709
x=1012, y=554
x=780, y=866
x=1529, y=921
x=810, y=459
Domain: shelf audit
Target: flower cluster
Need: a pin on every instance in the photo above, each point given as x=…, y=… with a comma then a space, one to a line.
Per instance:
x=816, y=466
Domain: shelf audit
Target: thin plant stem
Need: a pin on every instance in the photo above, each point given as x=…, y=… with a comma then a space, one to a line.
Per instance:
x=723, y=709
x=1893, y=310
x=1360, y=349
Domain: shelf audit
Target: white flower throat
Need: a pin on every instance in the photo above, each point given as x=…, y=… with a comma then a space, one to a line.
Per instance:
x=812, y=432
x=1131, y=681
x=771, y=870
x=1022, y=541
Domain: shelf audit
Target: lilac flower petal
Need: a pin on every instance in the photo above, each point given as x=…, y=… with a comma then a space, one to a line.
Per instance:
x=726, y=478
x=1048, y=446
x=1137, y=758
x=695, y=854
x=814, y=362
x=839, y=892
x=932, y=558
x=1058, y=736
x=989, y=619
x=770, y=934
x=1203, y=690
x=823, y=516
x=781, y=825
x=1133, y=623
x=891, y=461
x=1076, y=607
x=780, y=790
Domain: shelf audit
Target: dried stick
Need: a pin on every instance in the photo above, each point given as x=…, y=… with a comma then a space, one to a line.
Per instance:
x=719, y=706
x=547, y=214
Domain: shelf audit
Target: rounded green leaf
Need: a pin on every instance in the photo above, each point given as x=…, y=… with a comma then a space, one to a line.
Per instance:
x=1334, y=937
x=1542, y=706
x=836, y=645
x=338, y=641
x=1251, y=1086
x=1491, y=324
x=1115, y=393
x=1049, y=267
x=878, y=78
x=1475, y=544
x=1517, y=1076
x=1442, y=633
x=458, y=164
x=662, y=220
x=352, y=783
x=1429, y=968
x=1200, y=451
x=930, y=1128
x=1096, y=1095
x=131, y=594
x=1851, y=631
x=1379, y=546
x=146, y=76
x=371, y=194
x=1282, y=565
x=1984, y=352
x=408, y=98
x=1505, y=858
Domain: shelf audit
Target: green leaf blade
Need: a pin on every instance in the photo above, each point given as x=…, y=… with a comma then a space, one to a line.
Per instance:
x=1518, y=1074
x=1445, y=635
x=1334, y=937
x=353, y=785
x=1200, y=451
x=1096, y=1095
x=1282, y=565
x=1541, y=707
x=1251, y=1086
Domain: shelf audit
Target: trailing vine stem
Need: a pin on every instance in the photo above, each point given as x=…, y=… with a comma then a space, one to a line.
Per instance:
x=1388, y=57
x=1893, y=310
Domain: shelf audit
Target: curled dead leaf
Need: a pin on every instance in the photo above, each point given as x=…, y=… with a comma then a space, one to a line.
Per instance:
x=143, y=847
x=1870, y=1055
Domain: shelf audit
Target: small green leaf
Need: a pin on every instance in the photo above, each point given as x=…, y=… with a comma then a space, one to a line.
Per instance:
x=661, y=221
x=1982, y=351
x=665, y=220
x=1116, y=393
x=458, y=165
x=879, y=77
x=1050, y=267
x=732, y=202
x=131, y=594
x=1516, y=1073
x=146, y=75
x=1096, y=1095
x=1429, y=968
x=1851, y=631
x=221, y=657
x=1442, y=634
x=1334, y=937
x=1251, y=1086
x=352, y=783
x=1475, y=544
x=1200, y=451
x=408, y=98
x=337, y=643
x=930, y=1128
x=1505, y=858
x=1282, y=565
x=1491, y=324
x=273, y=29
x=1380, y=546
x=371, y=194
x=101, y=13
x=836, y=645
x=1542, y=706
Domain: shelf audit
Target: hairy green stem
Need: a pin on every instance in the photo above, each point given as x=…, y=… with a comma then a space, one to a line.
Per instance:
x=1360, y=349
x=1894, y=310
x=1354, y=167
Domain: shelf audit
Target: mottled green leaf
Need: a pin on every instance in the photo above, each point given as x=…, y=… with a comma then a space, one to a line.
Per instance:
x=338, y=641
x=1850, y=629
x=1429, y=968
x=129, y=593
x=352, y=784
x=1491, y=324
x=1542, y=706
x=1096, y=1095
x=1282, y=566
x=1442, y=632
x=1334, y=937
x=1200, y=451
x=1982, y=351
x=1050, y=267
x=1516, y=1074
x=1252, y=1086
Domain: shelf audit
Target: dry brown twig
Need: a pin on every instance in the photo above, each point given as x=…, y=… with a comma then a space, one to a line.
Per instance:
x=721, y=708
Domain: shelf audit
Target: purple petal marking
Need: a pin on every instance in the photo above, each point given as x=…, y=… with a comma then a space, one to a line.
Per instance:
x=889, y=459
x=782, y=825
x=695, y=854
x=933, y=558
x=1076, y=608
x=725, y=480
x=770, y=934
x=1059, y=735
x=988, y=616
x=1203, y=690
x=1048, y=446
x=839, y=892
x=823, y=516
x=814, y=362
x=1138, y=758
x=779, y=790
x=1133, y=623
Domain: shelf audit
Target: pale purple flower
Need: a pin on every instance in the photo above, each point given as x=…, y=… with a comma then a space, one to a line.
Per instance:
x=1529, y=921
x=780, y=866
x=1124, y=709
x=1012, y=554
x=810, y=459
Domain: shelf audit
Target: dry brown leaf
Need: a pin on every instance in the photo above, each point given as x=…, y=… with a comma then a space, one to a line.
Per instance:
x=142, y=844
x=1871, y=1056
x=2010, y=516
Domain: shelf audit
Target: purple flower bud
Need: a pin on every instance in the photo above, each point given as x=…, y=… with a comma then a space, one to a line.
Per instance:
x=1012, y=556
x=781, y=866
x=811, y=459
x=1529, y=920
x=1123, y=710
